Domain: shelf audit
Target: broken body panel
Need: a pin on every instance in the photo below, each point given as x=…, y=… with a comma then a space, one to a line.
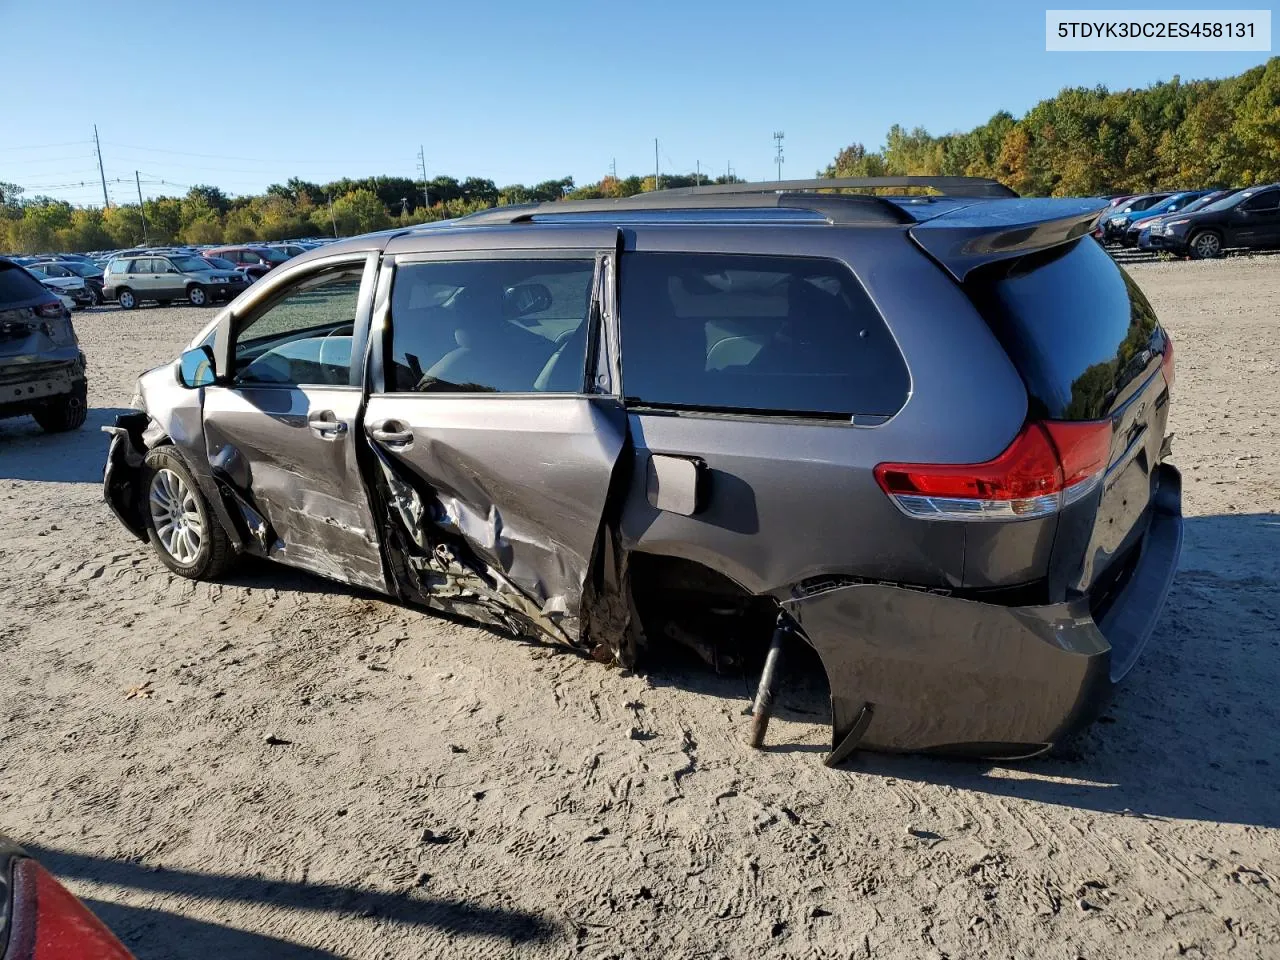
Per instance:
x=525, y=510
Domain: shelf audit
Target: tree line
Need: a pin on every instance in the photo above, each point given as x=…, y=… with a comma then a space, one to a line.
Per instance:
x=297, y=208
x=1082, y=142
x=1088, y=141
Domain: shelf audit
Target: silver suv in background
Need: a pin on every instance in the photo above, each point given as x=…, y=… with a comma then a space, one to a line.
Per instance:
x=130, y=280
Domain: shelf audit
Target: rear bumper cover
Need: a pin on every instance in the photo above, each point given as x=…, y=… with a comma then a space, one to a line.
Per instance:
x=919, y=672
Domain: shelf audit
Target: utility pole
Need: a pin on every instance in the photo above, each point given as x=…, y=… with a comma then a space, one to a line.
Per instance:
x=777, y=156
x=697, y=177
x=105, y=202
x=329, y=196
x=422, y=159
x=613, y=168
x=657, y=176
x=137, y=182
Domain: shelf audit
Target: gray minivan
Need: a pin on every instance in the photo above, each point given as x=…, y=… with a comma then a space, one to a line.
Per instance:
x=924, y=435
x=165, y=278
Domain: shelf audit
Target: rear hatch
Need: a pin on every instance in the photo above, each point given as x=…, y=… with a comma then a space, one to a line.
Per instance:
x=1090, y=350
x=24, y=333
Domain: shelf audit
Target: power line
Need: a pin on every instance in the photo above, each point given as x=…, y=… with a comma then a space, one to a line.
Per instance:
x=47, y=146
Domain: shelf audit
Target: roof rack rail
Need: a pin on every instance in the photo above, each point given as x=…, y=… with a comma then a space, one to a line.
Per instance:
x=970, y=187
x=834, y=208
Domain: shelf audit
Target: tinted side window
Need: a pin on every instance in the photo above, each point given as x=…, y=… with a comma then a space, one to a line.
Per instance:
x=1073, y=323
x=1263, y=201
x=756, y=333
x=490, y=326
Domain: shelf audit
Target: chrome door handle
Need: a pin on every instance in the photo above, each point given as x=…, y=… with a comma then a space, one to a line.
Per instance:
x=391, y=432
x=326, y=426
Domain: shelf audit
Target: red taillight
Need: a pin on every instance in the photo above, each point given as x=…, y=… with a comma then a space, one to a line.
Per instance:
x=1166, y=362
x=50, y=310
x=1049, y=464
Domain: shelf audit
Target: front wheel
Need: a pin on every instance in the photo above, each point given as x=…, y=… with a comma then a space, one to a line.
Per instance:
x=197, y=296
x=128, y=300
x=67, y=412
x=180, y=525
x=1205, y=245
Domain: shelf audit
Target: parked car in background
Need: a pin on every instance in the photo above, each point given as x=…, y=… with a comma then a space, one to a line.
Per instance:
x=86, y=270
x=57, y=277
x=250, y=272
x=1170, y=204
x=1151, y=236
x=42, y=371
x=131, y=280
x=926, y=438
x=1117, y=221
x=290, y=249
x=1247, y=218
x=40, y=919
x=251, y=256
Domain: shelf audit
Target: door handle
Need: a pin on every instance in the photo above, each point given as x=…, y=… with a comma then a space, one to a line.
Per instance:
x=325, y=425
x=391, y=432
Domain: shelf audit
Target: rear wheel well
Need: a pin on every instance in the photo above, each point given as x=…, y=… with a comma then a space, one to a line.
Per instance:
x=686, y=603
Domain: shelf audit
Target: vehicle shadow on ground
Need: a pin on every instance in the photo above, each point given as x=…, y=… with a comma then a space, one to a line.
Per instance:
x=154, y=932
x=1189, y=734
x=77, y=456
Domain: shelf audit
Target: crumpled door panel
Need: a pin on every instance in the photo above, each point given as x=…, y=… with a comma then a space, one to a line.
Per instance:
x=521, y=482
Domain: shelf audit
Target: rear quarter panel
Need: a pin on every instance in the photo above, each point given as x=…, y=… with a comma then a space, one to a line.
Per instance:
x=793, y=499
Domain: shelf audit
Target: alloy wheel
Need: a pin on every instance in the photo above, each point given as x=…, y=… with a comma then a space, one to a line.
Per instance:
x=175, y=514
x=1208, y=245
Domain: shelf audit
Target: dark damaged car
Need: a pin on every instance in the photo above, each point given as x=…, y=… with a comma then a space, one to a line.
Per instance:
x=925, y=435
x=42, y=371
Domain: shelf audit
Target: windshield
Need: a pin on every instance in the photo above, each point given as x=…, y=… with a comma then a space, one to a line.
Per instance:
x=1229, y=201
x=275, y=256
x=1163, y=205
x=16, y=285
x=1201, y=203
x=81, y=269
x=219, y=264
x=190, y=264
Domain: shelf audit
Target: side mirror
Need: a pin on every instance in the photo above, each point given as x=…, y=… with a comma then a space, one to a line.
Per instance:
x=196, y=368
x=525, y=298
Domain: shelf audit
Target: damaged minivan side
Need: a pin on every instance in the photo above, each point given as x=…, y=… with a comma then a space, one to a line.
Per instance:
x=927, y=439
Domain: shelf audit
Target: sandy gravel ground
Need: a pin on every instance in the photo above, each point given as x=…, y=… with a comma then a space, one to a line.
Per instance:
x=441, y=791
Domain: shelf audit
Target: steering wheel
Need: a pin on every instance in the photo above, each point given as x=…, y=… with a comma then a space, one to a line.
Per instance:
x=335, y=332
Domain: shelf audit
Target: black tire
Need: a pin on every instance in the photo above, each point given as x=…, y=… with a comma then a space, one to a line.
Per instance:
x=214, y=554
x=1204, y=244
x=198, y=295
x=67, y=412
x=126, y=298
x=97, y=296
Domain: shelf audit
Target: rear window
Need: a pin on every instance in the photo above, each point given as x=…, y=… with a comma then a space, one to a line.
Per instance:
x=1073, y=323
x=17, y=286
x=759, y=334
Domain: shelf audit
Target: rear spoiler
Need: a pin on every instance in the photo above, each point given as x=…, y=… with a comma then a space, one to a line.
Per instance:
x=974, y=235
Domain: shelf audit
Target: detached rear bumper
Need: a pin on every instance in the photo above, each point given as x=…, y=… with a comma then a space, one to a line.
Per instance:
x=120, y=476
x=919, y=672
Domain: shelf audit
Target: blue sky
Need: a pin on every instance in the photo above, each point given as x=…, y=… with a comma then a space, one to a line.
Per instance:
x=243, y=95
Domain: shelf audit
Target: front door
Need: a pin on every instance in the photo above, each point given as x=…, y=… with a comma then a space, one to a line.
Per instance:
x=280, y=428
x=484, y=403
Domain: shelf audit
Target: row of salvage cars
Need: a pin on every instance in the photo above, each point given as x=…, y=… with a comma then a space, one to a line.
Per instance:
x=924, y=435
